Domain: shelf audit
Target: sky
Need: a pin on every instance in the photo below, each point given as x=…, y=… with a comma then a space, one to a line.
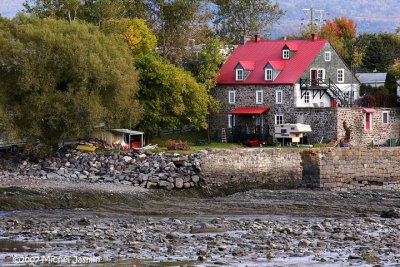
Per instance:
x=369, y=15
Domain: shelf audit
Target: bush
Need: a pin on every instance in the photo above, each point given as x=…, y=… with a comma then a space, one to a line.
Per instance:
x=177, y=145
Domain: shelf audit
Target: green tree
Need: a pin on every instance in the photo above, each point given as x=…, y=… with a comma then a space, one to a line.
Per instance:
x=65, y=9
x=379, y=50
x=205, y=65
x=390, y=82
x=170, y=96
x=60, y=79
x=172, y=22
x=237, y=18
x=134, y=32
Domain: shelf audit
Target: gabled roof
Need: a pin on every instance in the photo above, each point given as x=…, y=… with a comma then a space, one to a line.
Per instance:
x=247, y=65
x=292, y=46
x=277, y=65
x=265, y=51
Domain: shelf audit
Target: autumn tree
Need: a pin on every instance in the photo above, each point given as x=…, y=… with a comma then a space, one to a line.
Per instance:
x=236, y=18
x=341, y=32
x=134, y=32
x=60, y=79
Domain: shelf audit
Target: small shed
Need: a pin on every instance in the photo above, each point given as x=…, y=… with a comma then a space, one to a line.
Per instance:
x=125, y=138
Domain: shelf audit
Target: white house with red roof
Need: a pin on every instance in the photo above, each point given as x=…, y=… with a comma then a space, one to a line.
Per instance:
x=269, y=82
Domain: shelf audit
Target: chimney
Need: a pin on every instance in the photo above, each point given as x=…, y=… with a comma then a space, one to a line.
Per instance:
x=257, y=37
x=314, y=36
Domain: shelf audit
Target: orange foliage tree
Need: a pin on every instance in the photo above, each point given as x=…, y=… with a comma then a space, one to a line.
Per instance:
x=341, y=32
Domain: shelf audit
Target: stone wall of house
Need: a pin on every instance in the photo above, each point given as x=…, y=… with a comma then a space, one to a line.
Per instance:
x=323, y=123
x=271, y=168
x=355, y=168
x=246, y=97
x=379, y=133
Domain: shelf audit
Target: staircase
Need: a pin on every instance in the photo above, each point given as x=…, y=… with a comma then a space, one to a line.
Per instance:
x=336, y=93
x=223, y=135
x=330, y=87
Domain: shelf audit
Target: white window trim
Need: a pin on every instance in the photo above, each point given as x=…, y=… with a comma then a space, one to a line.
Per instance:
x=266, y=74
x=276, y=119
x=231, y=120
x=277, y=98
x=388, y=117
x=370, y=121
x=323, y=74
x=261, y=100
x=229, y=97
x=237, y=74
x=307, y=97
x=285, y=54
x=337, y=76
x=328, y=56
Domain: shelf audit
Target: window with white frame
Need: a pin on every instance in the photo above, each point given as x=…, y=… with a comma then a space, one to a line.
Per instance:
x=239, y=75
x=231, y=120
x=232, y=97
x=340, y=75
x=385, y=117
x=259, y=97
x=285, y=53
x=279, y=97
x=327, y=55
x=307, y=97
x=279, y=119
x=321, y=74
x=268, y=75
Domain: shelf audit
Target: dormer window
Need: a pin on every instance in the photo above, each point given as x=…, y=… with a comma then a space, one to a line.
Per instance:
x=243, y=69
x=239, y=75
x=272, y=70
x=268, y=75
x=285, y=54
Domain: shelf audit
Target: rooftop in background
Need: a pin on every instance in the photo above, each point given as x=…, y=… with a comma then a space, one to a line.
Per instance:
x=371, y=77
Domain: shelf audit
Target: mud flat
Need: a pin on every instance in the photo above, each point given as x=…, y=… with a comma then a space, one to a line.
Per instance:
x=137, y=227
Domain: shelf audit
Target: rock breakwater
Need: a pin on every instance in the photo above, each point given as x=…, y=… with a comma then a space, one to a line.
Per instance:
x=147, y=170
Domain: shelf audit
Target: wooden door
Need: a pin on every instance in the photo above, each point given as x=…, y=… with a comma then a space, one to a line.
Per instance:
x=314, y=77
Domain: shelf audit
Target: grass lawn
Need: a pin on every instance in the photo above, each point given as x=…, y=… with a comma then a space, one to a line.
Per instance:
x=191, y=138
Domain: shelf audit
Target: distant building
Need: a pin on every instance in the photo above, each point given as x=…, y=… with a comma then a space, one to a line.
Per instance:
x=374, y=79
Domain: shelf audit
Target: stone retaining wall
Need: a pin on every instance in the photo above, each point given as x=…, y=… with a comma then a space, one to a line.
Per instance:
x=352, y=168
x=271, y=168
x=236, y=169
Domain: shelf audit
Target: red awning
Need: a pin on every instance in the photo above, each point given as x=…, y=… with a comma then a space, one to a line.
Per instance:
x=249, y=110
x=368, y=110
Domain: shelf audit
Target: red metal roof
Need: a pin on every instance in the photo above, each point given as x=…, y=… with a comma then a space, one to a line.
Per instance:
x=292, y=46
x=265, y=51
x=247, y=65
x=278, y=65
x=368, y=110
x=250, y=110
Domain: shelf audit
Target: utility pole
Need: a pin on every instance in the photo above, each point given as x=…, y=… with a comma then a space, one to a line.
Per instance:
x=312, y=12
